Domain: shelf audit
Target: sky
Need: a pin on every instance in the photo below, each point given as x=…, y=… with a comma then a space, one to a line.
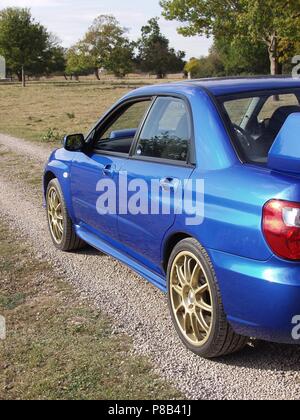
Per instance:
x=69, y=19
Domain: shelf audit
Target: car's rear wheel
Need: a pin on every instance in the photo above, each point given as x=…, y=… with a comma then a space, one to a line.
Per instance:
x=60, y=224
x=196, y=305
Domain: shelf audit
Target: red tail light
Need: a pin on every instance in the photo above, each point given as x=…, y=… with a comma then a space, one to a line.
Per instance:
x=281, y=226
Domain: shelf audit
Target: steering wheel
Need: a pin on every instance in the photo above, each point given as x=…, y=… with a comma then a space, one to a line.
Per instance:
x=243, y=136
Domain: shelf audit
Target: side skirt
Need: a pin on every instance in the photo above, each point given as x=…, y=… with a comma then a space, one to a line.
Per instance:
x=93, y=240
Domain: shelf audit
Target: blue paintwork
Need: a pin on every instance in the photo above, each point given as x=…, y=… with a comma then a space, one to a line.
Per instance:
x=285, y=152
x=122, y=134
x=260, y=292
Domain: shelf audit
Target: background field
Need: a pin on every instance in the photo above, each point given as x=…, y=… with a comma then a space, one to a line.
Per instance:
x=45, y=111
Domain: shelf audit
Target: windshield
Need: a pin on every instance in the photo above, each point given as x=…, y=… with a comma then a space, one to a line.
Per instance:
x=256, y=120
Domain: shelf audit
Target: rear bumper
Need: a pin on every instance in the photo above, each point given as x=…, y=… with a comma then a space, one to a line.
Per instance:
x=260, y=298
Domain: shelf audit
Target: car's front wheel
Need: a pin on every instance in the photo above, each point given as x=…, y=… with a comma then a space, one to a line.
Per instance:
x=61, y=227
x=196, y=305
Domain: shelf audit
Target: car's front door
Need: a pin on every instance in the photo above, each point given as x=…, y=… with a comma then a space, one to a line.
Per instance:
x=94, y=171
x=156, y=172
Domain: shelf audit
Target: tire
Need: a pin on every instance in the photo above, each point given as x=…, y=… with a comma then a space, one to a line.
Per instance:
x=196, y=306
x=60, y=225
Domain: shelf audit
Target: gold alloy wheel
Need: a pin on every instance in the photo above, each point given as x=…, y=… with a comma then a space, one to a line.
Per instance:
x=55, y=215
x=191, y=299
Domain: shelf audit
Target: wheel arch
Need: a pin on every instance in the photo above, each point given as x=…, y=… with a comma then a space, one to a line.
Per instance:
x=169, y=244
x=60, y=171
x=48, y=177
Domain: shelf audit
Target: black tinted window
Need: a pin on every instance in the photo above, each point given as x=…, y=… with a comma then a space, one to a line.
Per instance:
x=167, y=131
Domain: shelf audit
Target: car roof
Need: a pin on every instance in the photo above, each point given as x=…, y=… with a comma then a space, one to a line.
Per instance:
x=230, y=86
x=223, y=86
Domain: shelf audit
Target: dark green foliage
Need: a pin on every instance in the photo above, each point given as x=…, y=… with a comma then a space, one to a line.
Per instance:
x=154, y=53
x=27, y=44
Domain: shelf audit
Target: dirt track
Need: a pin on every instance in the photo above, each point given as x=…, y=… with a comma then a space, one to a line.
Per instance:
x=266, y=371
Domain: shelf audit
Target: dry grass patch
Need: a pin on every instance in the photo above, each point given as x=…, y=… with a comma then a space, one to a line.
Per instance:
x=19, y=168
x=47, y=111
x=57, y=347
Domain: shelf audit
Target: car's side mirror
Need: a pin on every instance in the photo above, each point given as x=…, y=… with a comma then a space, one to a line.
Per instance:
x=74, y=142
x=285, y=152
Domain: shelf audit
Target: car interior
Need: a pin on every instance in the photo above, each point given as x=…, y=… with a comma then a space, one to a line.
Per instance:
x=261, y=124
x=119, y=141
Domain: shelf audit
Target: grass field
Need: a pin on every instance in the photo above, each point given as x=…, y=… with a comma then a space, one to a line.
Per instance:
x=45, y=111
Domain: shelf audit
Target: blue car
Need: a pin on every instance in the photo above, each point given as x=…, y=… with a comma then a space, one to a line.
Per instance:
x=195, y=186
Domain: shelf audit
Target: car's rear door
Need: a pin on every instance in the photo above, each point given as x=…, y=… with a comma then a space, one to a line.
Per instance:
x=160, y=158
x=94, y=171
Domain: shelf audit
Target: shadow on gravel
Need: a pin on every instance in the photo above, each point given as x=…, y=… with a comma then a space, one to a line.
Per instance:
x=88, y=250
x=266, y=356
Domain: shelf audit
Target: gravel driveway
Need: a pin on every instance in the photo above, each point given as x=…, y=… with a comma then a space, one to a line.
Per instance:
x=265, y=371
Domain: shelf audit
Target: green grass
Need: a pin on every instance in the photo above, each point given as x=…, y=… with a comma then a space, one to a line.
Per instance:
x=57, y=347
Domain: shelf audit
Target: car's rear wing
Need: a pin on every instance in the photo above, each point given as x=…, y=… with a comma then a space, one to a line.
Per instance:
x=285, y=152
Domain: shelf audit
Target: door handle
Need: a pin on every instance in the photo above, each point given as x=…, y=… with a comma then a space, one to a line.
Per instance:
x=108, y=170
x=169, y=184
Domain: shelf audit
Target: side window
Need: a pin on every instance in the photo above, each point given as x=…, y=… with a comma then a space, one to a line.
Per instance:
x=271, y=106
x=118, y=136
x=167, y=131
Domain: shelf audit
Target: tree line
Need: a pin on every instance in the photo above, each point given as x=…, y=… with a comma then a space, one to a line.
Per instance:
x=29, y=49
x=250, y=37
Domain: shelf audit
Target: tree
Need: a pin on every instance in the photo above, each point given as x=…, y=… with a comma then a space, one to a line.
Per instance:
x=23, y=42
x=267, y=22
x=102, y=43
x=79, y=62
x=210, y=66
x=242, y=56
x=56, y=61
x=54, y=57
x=226, y=58
x=120, y=60
x=154, y=52
x=193, y=67
x=52, y=60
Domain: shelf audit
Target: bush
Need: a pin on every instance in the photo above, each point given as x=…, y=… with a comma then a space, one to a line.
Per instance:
x=52, y=136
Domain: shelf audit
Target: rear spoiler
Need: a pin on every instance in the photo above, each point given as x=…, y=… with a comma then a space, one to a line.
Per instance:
x=284, y=155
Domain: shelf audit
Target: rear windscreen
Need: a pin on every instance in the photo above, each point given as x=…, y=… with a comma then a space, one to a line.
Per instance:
x=256, y=120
